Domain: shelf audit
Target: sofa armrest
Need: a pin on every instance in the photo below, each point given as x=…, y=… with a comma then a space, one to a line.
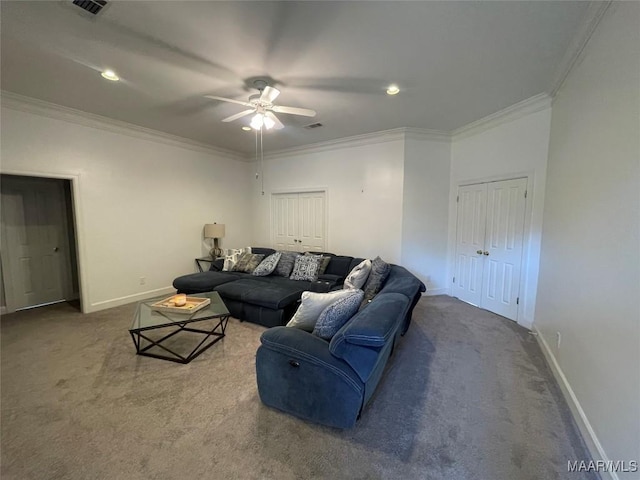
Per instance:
x=360, y=341
x=302, y=345
x=375, y=324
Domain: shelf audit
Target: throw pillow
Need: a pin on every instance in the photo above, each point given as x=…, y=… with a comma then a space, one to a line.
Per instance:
x=379, y=273
x=285, y=265
x=306, y=268
x=358, y=275
x=311, y=306
x=231, y=256
x=268, y=265
x=248, y=262
x=337, y=314
x=323, y=264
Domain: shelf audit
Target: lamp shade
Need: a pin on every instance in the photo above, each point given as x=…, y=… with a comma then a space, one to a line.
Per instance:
x=214, y=230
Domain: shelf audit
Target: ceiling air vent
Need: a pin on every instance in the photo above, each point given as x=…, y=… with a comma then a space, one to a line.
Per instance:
x=313, y=125
x=91, y=6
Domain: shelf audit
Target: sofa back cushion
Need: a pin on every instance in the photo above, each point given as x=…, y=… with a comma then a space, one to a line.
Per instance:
x=339, y=265
x=262, y=250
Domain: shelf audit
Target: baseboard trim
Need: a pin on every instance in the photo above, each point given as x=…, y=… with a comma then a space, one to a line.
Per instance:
x=116, y=302
x=436, y=291
x=588, y=434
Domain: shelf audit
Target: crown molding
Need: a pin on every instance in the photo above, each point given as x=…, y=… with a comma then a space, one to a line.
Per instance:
x=575, y=51
x=339, y=143
x=526, y=107
x=427, y=135
x=373, y=138
x=26, y=104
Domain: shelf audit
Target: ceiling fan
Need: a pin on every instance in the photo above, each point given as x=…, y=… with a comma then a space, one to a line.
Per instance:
x=262, y=105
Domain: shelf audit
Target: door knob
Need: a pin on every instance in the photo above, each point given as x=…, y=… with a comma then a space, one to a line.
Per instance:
x=479, y=252
x=486, y=253
x=55, y=249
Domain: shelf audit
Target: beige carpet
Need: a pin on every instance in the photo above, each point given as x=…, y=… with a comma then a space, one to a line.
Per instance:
x=467, y=395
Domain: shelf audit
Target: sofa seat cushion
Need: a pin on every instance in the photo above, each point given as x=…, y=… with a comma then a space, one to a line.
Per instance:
x=274, y=295
x=204, y=281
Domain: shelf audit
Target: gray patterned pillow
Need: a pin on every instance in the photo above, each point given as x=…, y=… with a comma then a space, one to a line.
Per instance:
x=337, y=314
x=379, y=273
x=231, y=256
x=306, y=268
x=247, y=262
x=268, y=265
x=285, y=265
x=323, y=264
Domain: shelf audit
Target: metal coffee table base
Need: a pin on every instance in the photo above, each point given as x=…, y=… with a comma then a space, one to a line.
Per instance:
x=217, y=332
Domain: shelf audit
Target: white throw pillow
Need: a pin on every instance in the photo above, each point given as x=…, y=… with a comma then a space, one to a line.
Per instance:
x=312, y=305
x=358, y=276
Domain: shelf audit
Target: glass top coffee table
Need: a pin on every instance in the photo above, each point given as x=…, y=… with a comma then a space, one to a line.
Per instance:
x=149, y=323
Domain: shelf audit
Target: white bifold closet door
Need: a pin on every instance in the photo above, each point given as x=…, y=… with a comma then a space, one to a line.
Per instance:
x=489, y=245
x=298, y=221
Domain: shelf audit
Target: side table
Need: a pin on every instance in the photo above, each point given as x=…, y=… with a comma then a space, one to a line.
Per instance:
x=204, y=259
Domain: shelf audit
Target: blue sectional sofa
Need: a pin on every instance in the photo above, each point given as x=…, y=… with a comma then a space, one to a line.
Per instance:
x=331, y=382
x=269, y=301
x=326, y=382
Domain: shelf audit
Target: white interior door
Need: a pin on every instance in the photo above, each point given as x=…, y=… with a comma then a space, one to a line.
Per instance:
x=312, y=222
x=285, y=221
x=503, y=246
x=299, y=221
x=471, y=224
x=489, y=243
x=35, y=253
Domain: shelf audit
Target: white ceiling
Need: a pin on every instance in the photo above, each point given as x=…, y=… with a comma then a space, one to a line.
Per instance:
x=455, y=62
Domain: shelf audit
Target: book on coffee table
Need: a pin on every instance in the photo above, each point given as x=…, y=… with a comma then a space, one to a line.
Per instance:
x=192, y=305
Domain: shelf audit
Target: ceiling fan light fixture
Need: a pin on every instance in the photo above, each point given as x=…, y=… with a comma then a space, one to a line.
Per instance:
x=261, y=120
x=110, y=75
x=268, y=123
x=393, y=89
x=257, y=121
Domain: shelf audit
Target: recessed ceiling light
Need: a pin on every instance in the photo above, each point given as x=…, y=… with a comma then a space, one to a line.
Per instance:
x=393, y=90
x=110, y=75
x=246, y=129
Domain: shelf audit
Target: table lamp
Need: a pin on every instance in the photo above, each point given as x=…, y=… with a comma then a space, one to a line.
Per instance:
x=215, y=231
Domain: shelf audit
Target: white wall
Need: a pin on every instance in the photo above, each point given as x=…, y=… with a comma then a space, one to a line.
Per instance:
x=427, y=165
x=141, y=203
x=363, y=180
x=590, y=267
x=516, y=146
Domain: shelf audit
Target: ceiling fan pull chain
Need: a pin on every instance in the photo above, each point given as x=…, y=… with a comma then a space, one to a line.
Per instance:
x=261, y=162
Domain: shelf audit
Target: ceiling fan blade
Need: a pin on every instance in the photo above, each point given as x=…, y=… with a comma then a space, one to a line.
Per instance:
x=230, y=100
x=277, y=123
x=239, y=115
x=306, y=112
x=269, y=94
